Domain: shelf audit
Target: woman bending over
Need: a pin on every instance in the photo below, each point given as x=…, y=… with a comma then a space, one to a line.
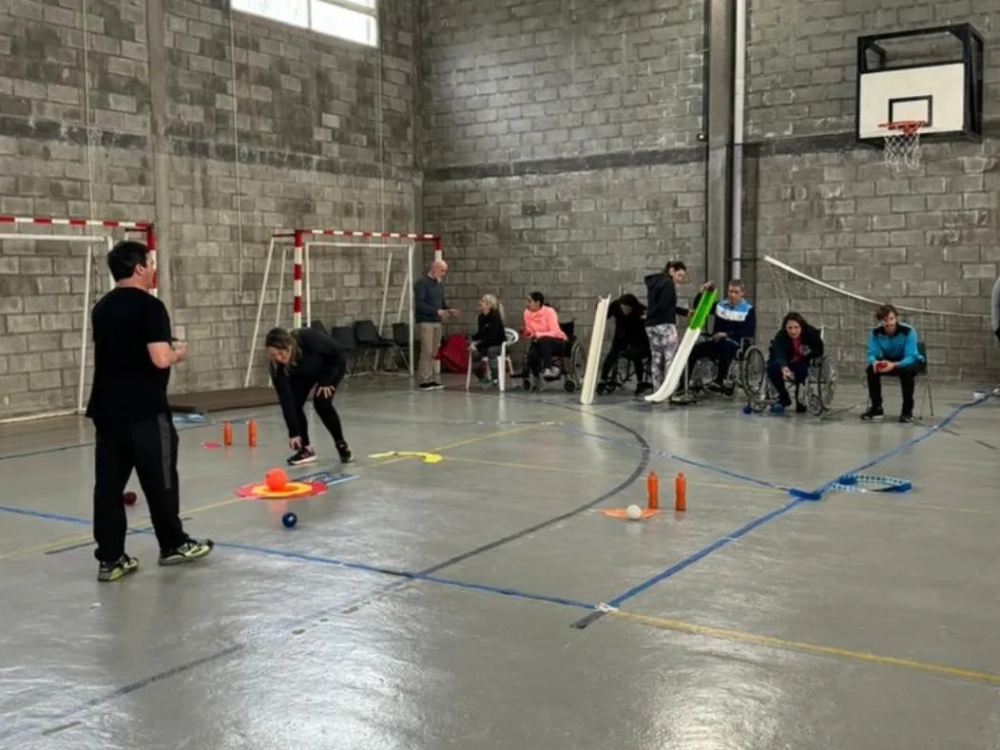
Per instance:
x=300, y=361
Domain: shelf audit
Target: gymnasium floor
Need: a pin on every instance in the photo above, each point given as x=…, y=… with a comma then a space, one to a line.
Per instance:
x=432, y=605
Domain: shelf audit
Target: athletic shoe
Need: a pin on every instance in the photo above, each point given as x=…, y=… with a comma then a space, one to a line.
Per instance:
x=905, y=418
x=190, y=551
x=108, y=572
x=873, y=415
x=302, y=456
x=344, y=450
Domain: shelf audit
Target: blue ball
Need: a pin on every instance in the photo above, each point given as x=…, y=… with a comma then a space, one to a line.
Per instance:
x=747, y=409
x=289, y=520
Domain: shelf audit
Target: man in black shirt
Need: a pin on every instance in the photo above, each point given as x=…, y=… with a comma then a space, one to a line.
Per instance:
x=133, y=353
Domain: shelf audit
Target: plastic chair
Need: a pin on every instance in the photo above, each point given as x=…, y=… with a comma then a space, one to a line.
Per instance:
x=506, y=366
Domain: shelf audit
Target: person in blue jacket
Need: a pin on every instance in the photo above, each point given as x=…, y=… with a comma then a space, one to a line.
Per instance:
x=892, y=351
x=735, y=322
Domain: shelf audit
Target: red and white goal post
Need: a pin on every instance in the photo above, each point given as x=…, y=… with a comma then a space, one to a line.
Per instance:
x=76, y=232
x=302, y=240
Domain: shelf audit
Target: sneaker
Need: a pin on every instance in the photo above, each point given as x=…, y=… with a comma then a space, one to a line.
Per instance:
x=777, y=408
x=800, y=408
x=905, y=418
x=344, y=450
x=551, y=373
x=302, y=456
x=125, y=565
x=431, y=386
x=874, y=414
x=190, y=551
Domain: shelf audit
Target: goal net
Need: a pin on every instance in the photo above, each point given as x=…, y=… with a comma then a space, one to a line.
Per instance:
x=349, y=281
x=52, y=271
x=956, y=331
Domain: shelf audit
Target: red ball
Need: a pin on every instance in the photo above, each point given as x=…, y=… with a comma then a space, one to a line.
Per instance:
x=129, y=498
x=276, y=480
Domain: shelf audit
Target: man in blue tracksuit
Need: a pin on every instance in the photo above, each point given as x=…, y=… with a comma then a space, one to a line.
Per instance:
x=735, y=322
x=892, y=351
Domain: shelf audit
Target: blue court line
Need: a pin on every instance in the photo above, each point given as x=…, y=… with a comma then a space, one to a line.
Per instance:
x=681, y=459
x=800, y=498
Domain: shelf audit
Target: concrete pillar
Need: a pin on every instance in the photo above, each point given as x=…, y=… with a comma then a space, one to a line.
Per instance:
x=719, y=134
x=158, y=63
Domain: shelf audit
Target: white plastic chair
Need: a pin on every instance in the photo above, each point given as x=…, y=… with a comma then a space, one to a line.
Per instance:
x=506, y=366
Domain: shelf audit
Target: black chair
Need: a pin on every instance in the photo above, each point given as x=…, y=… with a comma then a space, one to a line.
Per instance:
x=370, y=342
x=344, y=335
x=401, y=342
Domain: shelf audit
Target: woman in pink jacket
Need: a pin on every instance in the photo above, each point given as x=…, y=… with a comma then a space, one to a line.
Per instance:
x=541, y=328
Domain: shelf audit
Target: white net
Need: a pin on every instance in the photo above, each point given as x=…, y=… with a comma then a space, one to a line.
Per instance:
x=957, y=336
x=902, y=145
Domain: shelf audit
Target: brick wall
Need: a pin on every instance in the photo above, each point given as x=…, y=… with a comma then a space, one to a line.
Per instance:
x=285, y=128
x=561, y=146
x=927, y=238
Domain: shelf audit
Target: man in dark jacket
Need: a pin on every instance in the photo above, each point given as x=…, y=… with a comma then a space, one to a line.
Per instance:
x=431, y=310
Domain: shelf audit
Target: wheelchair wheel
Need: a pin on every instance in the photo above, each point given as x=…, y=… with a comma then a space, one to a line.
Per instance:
x=822, y=386
x=569, y=386
x=703, y=373
x=755, y=383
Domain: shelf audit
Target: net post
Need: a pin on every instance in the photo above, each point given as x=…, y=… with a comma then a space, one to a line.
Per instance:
x=260, y=312
x=437, y=249
x=307, y=281
x=151, y=245
x=297, y=281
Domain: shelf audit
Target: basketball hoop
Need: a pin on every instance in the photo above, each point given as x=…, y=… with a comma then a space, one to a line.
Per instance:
x=902, y=143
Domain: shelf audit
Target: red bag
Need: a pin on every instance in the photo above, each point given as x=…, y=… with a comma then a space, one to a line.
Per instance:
x=454, y=353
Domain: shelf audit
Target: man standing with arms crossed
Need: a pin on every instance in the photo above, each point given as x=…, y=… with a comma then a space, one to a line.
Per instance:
x=133, y=353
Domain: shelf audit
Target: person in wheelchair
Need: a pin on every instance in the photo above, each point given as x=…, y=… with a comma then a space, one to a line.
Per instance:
x=734, y=326
x=548, y=340
x=893, y=352
x=630, y=341
x=486, y=342
x=792, y=351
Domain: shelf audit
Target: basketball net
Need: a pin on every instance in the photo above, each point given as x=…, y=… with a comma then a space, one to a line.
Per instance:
x=902, y=144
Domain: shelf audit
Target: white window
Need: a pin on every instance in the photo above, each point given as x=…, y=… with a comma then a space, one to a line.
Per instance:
x=353, y=20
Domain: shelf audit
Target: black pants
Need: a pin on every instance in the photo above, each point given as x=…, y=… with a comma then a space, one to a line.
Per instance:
x=541, y=352
x=907, y=383
x=800, y=371
x=636, y=355
x=150, y=448
x=324, y=409
x=721, y=352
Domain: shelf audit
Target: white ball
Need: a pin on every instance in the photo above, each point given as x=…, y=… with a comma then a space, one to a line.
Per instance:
x=633, y=512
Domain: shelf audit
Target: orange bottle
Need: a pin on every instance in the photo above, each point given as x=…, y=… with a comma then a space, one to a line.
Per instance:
x=252, y=433
x=680, y=492
x=227, y=434
x=653, y=490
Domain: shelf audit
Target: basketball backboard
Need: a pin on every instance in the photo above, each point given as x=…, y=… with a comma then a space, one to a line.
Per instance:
x=933, y=76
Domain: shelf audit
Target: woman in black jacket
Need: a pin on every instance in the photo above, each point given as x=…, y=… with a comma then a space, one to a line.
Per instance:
x=661, y=317
x=793, y=348
x=301, y=360
x=486, y=342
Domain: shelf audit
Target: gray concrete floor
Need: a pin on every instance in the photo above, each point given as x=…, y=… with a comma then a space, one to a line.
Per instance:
x=432, y=605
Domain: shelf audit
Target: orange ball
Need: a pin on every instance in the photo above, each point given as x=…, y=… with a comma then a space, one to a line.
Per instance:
x=276, y=480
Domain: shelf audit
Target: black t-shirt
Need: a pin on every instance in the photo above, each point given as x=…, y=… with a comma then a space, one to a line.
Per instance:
x=127, y=386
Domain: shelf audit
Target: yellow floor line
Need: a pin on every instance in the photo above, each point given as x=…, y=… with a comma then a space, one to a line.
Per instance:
x=807, y=648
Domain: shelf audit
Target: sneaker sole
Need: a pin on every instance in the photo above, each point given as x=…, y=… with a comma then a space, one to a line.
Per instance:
x=167, y=562
x=304, y=461
x=117, y=575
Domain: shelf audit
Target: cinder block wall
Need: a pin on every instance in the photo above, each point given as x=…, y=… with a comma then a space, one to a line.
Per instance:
x=562, y=154
x=561, y=144
x=262, y=127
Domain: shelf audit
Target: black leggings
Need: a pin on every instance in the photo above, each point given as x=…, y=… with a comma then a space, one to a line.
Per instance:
x=324, y=409
x=541, y=352
x=634, y=354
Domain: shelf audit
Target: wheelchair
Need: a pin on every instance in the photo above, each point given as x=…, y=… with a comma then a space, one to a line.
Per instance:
x=820, y=384
x=572, y=364
x=623, y=373
x=705, y=370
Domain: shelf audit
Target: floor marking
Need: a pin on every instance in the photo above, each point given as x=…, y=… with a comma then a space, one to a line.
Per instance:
x=803, y=647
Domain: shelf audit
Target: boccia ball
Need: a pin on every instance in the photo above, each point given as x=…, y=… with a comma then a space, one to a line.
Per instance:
x=276, y=480
x=633, y=512
x=289, y=520
x=747, y=409
x=129, y=498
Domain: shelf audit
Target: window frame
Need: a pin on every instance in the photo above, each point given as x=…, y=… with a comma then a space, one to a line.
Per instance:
x=354, y=6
